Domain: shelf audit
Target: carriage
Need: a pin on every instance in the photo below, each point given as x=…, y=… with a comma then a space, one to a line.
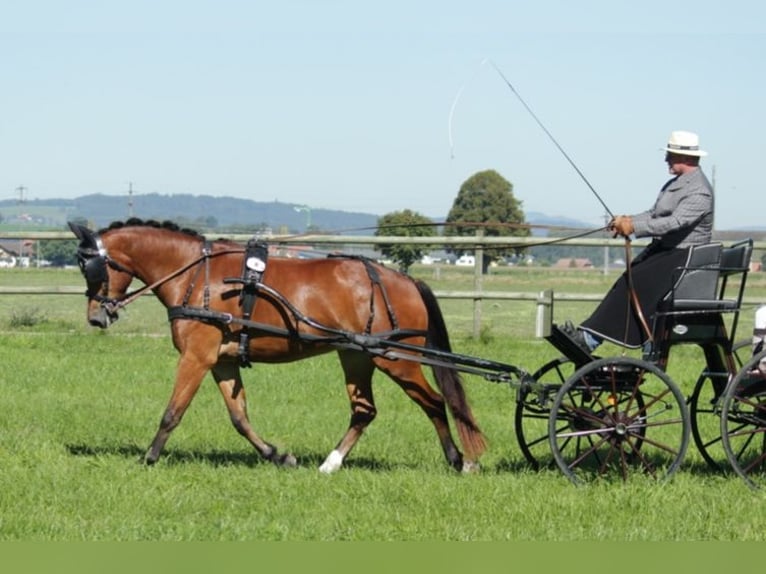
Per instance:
x=593, y=417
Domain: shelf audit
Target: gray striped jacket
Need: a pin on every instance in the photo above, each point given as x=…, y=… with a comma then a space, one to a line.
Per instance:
x=682, y=215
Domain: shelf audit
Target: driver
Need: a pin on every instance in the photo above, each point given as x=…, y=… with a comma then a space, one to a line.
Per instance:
x=681, y=216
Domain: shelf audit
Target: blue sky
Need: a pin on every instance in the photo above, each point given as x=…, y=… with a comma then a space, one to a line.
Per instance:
x=346, y=105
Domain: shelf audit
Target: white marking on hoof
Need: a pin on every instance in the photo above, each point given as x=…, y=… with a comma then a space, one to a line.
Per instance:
x=471, y=467
x=332, y=463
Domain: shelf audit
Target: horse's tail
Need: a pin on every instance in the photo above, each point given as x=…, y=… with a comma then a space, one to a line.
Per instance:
x=449, y=380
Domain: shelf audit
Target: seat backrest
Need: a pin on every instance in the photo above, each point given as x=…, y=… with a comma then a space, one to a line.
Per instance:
x=693, y=312
x=698, y=278
x=736, y=259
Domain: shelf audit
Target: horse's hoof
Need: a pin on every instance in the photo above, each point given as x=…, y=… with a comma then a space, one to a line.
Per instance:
x=286, y=460
x=471, y=467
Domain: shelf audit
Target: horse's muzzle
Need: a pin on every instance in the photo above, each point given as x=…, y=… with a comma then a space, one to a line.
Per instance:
x=102, y=316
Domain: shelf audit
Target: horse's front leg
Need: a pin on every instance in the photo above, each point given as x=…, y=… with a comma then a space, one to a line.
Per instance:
x=229, y=379
x=189, y=374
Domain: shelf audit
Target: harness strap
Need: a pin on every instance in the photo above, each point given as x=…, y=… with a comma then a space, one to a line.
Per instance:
x=132, y=296
x=206, y=250
x=375, y=281
x=253, y=267
x=200, y=314
x=334, y=336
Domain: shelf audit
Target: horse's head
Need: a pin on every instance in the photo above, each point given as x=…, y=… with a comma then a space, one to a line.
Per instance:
x=107, y=281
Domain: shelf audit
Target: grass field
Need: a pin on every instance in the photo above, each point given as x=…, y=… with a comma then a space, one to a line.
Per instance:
x=80, y=406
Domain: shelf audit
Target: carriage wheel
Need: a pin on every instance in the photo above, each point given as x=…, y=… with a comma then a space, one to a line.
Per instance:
x=533, y=407
x=617, y=416
x=743, y=422
x=705, y=410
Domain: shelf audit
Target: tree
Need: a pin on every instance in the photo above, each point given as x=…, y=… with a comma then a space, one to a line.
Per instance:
x=58, y=252
x=403, y=223
x=487, y=198
x=61, y=252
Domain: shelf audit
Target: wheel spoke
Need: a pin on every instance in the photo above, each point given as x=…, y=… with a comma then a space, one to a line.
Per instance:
x=629, y=415
x=705, y=406
x=533, y=411
x=743, y=423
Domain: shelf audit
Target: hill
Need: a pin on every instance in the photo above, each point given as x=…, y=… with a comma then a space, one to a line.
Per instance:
x=203, y=210
x=207, y=211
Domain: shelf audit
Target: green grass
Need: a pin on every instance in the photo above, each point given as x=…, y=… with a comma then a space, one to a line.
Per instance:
x=80, y=407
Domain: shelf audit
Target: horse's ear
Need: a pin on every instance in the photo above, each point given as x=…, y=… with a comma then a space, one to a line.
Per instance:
x=84, y=234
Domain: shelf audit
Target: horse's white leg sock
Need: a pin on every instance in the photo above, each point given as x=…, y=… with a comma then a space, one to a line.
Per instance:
x=332, y=463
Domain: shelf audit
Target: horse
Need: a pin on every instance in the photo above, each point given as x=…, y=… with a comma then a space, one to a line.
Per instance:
x=230, y=305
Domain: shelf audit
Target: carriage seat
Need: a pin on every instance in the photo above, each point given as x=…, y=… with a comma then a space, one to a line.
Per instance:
x=693, y=310
x=701, y=285
x=695, y=284
x=735, y=260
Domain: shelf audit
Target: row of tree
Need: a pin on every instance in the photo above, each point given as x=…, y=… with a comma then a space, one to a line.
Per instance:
x=484, y=201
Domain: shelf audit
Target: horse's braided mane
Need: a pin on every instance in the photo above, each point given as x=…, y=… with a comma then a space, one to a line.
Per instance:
x=137, y=222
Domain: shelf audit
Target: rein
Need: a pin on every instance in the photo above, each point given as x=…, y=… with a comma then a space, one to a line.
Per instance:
x=112, y=304
x=332, y=336
x=115, y=304
x=541, y=243
x=634, y=296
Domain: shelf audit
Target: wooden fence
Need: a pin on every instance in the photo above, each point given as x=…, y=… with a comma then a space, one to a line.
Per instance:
x=476, y=243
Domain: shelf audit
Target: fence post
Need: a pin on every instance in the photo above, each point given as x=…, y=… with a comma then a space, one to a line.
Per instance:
x=544, y=313
x=478, y=280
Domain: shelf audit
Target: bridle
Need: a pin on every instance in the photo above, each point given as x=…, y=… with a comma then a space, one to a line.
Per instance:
x=95, y=260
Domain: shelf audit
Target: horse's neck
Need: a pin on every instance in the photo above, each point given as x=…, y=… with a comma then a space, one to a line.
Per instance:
x=164, y=264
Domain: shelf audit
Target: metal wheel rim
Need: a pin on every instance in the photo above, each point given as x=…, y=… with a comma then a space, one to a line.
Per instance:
x=617, y=433
x=743, y=423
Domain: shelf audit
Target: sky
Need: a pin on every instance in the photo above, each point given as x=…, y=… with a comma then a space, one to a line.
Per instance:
x=382, y=106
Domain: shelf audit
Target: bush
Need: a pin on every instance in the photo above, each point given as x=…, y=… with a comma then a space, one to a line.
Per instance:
x=26, y=318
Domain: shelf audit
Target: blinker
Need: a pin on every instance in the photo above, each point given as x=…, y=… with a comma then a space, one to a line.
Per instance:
x=94, y=269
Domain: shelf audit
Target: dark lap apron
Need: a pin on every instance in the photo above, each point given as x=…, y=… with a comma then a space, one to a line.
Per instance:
x=652, y=279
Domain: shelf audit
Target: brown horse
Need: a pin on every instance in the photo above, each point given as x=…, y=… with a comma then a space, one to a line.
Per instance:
x=298, y=308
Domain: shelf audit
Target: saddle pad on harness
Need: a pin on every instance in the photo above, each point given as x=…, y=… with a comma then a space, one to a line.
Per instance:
x=253, y=267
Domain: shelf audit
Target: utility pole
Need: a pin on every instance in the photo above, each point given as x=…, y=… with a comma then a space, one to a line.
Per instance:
x=21, y=189
x=130, y=199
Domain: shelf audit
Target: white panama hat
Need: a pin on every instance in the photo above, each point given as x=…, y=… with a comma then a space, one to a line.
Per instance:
x=684, y=143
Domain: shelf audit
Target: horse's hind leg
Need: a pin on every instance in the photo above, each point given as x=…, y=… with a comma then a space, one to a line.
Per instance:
x=229, y=380
x=358, y=369
x=409, y=376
